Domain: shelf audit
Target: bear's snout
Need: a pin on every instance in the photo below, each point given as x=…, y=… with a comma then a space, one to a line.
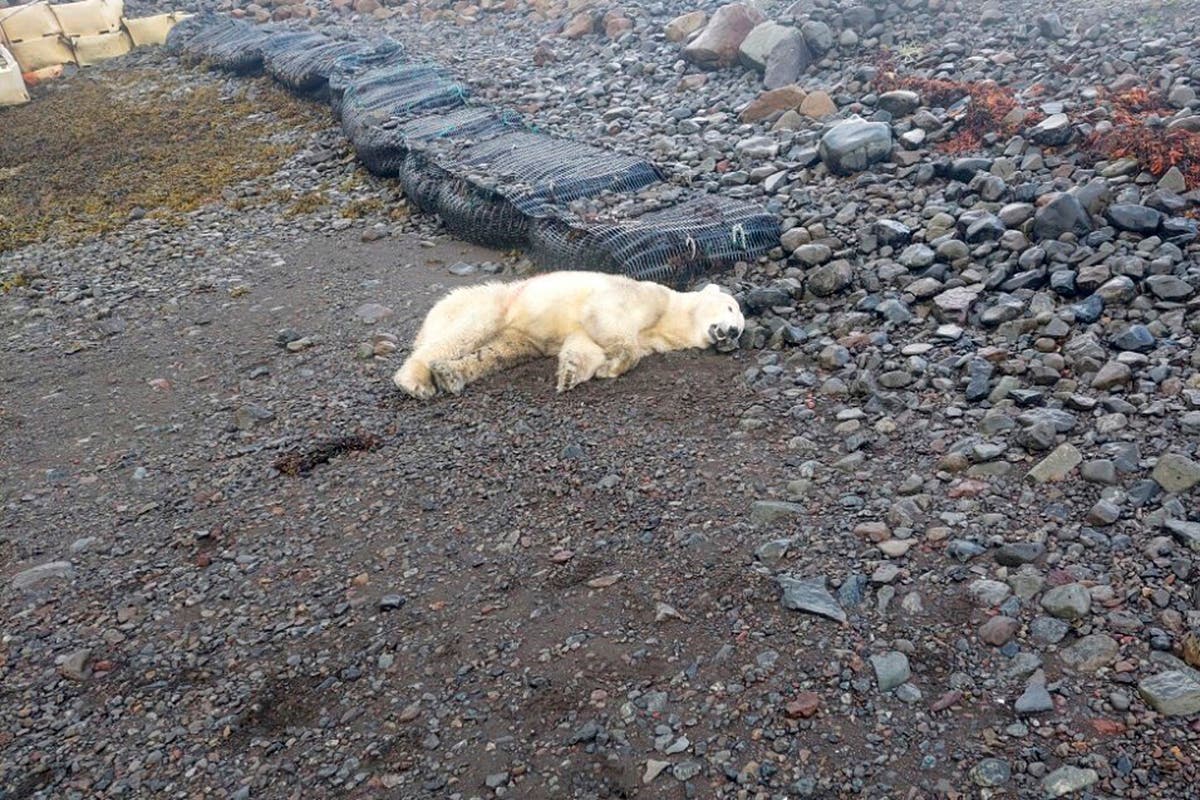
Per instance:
x=718, y=333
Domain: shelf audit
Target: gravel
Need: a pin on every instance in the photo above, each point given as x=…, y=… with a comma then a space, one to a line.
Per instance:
x=932, y=526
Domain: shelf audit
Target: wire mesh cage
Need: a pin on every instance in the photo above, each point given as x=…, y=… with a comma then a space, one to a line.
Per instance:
x=382, y=148
x=304, y=65
x=502, y=183
x=490, y=177
x=673, y=246
x=396, y=91
x=231, y=45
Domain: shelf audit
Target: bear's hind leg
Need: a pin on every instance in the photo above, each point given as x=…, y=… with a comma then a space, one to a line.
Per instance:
x=506, y=350
x=578, y=360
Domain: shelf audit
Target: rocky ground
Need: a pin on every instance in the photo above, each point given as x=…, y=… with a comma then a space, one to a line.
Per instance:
x=931, y=532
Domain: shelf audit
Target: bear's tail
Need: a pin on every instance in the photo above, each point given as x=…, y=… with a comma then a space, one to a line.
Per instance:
x=459, y=324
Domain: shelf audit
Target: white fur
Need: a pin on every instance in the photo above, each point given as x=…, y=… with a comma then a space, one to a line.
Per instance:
x=598, y=325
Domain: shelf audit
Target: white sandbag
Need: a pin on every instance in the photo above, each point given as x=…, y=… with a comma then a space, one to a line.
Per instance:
x=91, y=50
x=152, y=30
x=48, y=51
x=12, y=87
x=89, y=17
x=28, y=22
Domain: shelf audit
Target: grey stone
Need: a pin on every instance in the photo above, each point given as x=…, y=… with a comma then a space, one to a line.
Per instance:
x=371, y=313
x=1172, y=693
x=987, y=593
x=1067, y=779
x=1053, y=131
x=1048, y=630
x=1034, y=700
x=855, y=144
x=1014, y=554
x=756, y=48
x=1169, y=287
x=818, y=36
x=1063, y=214
x=787, y=61
x=991, y=772
x=810, y=595
x=1176, y=473
x=1091, y=653
x=772, y=552
x=1057, y=465
x=75, y=666
x=830, y=279
x=1100, y=470
x=891, y=669
x=1134, y=218
x=1186, y=533
x=1069, y=601
x=899, y=103
x=1112, y=375
x=769, y=512
x=52, y=570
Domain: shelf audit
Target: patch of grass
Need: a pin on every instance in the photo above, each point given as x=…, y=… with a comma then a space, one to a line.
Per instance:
x=357, y=209
x=307, y=203
x=84, y=154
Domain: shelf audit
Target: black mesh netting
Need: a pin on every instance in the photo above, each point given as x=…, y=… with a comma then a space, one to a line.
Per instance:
x=421, y=178
x=503, y=183
x=397, y=91
x=231, y=45
x=187, y=28
x=674, y=246
x=305, y=65
x=348, y=68
x=383, y=148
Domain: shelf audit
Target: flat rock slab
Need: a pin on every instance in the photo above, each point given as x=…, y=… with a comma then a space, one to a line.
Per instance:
x=1172, y=693
x=768, y=512
x=811, y=596
x=1057, y=465
x=53, y=570
x=1068, y=779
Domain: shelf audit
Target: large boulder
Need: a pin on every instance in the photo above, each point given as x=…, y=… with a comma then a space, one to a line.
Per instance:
x=717, y=45
x=855, y=144
x=758, y=44
x=789, y=58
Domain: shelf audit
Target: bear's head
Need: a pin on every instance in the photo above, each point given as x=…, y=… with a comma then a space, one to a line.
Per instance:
x=718, y=316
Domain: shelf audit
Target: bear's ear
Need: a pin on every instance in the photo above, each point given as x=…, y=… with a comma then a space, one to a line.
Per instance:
x=712, y=288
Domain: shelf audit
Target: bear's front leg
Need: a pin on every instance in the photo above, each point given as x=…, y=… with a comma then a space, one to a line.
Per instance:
x=578, y=360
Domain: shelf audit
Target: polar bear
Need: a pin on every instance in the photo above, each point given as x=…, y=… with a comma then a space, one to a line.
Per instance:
x=598, y=325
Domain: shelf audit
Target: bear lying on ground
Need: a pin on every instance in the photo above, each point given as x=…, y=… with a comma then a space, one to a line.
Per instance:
x=598, y=325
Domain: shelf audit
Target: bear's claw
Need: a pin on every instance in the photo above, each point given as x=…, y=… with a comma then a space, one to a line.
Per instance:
x=568, y=375
x=447, y=379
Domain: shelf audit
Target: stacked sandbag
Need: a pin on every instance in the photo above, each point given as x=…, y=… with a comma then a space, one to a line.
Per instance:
x=35, y=37
x=94, y=29
x=152, y=30
x=12, y=87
